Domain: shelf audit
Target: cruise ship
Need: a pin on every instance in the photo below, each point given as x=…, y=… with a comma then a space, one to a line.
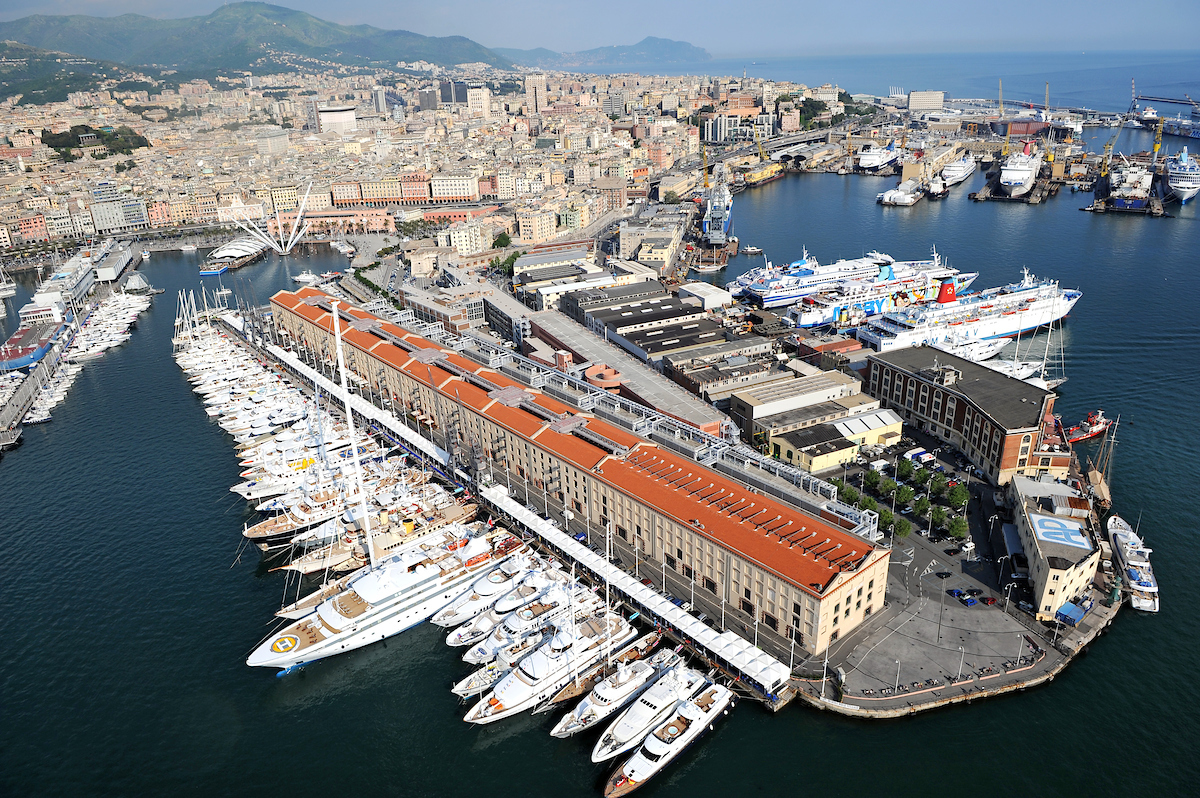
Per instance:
x=794, y=284
x=1183, y=176
x=1134, y=559
x=1019, y=171
x=1001, y=312
x=872, y=157
x=957, y=171
x=898, y=285
x=717, y=214
x=399, y=592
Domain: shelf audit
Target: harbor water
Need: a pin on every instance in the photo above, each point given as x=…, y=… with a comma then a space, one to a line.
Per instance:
x=128, y=614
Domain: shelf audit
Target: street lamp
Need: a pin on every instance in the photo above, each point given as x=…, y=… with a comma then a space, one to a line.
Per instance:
x=897, y=687
x=1007, y=593
x=756, y=629
x=722, y=613
x=960, y=663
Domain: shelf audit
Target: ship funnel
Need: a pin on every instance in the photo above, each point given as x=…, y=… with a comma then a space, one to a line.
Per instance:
x=1027, y=148
x=946, y=292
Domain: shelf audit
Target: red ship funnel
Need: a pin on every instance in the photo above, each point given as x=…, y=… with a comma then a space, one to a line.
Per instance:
x=946, y=292
x=1027, y=148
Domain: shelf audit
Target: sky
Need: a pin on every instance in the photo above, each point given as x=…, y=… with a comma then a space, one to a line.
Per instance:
x=744, y=28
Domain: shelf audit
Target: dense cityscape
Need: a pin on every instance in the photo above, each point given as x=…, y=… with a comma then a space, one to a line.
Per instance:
x=533, y=361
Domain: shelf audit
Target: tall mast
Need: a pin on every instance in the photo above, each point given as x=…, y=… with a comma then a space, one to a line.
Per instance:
x=362, y=492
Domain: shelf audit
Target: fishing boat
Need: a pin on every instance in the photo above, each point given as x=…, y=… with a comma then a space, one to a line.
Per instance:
x=687, y=724
x=1134, y=560
x=1095, y=425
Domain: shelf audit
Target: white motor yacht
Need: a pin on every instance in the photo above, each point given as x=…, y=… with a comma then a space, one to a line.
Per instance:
x=650, y=709
x=614, y=692
x=685, y=726
x=574, y=648
x=484, y=593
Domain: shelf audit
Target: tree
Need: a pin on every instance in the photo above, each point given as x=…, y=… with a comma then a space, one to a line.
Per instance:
x=848, y=495
x=959, y=496
x=671, y=198
x=905, y=494
x=871, y=479
x=921, y=476
x=502, y=241
x=938, y=486
x=867, y=503
x=921, y=508
x=886, y=519
x=937, y=517
x=958, y=527
x=887, y=487
x=902, y=527
x=904, y=468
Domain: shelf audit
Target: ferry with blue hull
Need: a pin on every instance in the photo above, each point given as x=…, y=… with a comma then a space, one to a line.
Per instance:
x=29, y=344
x=1002, y=312
x=898, y=286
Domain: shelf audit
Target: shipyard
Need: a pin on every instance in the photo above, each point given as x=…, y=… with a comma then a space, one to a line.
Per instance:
x=624, y=415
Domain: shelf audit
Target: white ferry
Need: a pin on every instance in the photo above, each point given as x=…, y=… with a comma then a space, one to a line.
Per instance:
x=995, y=313
x=1019, y=172
x=957, y=171
x=898, y=285
x=789, y=286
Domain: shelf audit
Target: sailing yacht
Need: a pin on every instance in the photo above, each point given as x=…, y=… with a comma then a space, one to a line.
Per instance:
x=8, y=286
x=396, y=594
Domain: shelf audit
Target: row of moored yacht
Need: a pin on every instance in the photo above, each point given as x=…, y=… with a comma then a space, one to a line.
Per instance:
x=394, y=550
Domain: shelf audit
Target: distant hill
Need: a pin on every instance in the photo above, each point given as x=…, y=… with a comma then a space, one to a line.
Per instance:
x=237, y=36
x=650, y=50
x=46, y=76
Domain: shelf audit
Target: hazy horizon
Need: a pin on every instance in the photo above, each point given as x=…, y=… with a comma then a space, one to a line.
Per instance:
x=761, y=28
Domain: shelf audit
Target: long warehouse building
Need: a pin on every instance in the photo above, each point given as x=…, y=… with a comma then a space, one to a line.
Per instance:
x=802, y=576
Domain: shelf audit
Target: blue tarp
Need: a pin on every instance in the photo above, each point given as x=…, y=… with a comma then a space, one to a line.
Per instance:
x=1070, y=614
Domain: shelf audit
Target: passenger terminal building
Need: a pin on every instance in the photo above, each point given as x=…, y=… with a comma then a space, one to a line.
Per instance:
x=803, y=575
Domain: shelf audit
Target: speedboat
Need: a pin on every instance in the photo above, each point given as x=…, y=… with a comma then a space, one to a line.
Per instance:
x=686, y=725
x=613, y=693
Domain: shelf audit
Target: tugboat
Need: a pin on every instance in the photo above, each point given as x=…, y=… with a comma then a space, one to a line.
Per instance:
x=1093, y=426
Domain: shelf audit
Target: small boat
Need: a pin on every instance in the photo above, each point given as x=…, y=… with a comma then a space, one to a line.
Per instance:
x=1093, y=426
x=145, y=254
x=707, y=268
x=187, y=248
x=752, y=250
x=306, y=277
x=213, y=269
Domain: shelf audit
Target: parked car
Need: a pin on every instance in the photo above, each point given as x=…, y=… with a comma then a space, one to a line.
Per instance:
x=988, y=600
x=968, y=601
x=955, y=593
x=1025, y=605
x=975, y=592
x=906, y=511
x=647, y=583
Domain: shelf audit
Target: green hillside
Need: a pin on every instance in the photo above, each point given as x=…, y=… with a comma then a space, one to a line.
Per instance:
x=236, y=36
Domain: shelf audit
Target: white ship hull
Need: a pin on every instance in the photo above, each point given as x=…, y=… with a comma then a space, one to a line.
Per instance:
x=1019, y=173
x=958, y=171
x=996, y=313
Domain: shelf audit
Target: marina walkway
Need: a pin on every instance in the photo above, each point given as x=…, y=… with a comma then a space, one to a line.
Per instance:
x=753, y=667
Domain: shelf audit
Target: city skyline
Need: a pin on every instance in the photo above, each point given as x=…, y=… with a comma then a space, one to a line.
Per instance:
x=793, y=30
